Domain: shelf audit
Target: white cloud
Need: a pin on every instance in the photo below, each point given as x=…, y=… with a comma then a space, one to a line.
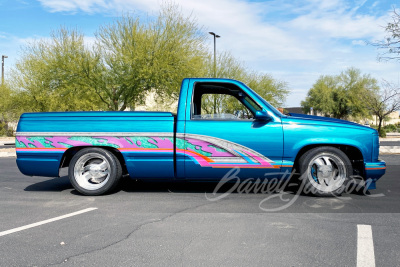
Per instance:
x=96, y=6
x=340, y=25
x=374, y=4
x=244, y=27
x=359, y=42
x=295, y=41
x=89, y=6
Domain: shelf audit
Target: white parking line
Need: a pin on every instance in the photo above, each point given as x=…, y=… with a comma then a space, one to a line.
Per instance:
x=45, y=221
x=365, y=246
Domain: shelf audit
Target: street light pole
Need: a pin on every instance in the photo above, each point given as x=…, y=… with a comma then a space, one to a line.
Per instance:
x=215, y=67
x=215, y=52
x=2, y=68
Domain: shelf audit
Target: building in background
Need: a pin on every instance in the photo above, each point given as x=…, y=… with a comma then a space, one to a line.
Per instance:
x=393, y=118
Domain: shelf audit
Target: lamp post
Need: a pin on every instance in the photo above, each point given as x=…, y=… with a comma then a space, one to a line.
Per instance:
x=215, y=67
x=2, y=68
x=215, y=52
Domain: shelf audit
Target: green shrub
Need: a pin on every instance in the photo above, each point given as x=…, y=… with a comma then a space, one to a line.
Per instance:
x=382, y=133
x=391, y=128
x=5, y=131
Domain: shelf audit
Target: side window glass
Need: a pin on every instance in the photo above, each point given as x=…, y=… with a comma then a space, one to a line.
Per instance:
x=223, y=106
x=215, y=102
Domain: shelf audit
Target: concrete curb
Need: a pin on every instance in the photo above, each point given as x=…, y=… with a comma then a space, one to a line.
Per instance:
x=2, y=143
x=8, y=154
x=389, y=150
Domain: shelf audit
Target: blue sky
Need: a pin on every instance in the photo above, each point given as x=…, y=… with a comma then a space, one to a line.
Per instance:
x=294, y=41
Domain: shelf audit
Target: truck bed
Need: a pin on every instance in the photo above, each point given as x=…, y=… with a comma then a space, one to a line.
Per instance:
x=95, y=121
x=47, y=137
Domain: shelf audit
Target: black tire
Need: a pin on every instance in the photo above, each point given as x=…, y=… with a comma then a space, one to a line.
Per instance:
x=324, y=171
x=94, y=171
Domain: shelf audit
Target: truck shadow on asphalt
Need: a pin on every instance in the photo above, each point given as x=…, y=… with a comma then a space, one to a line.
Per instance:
x=297, y=203
x=128, y=185
x=59, y=184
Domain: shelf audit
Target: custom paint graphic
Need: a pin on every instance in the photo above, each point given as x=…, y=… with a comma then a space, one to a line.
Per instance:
x=206, y=151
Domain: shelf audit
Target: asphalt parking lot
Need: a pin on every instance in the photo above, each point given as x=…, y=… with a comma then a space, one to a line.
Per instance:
x=45, y=222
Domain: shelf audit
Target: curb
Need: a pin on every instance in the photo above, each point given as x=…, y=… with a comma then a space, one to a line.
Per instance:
x=389, y=149
x=8, y=154
x=2, y=143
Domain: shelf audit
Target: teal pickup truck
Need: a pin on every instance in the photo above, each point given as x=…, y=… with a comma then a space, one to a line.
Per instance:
x=220, y=124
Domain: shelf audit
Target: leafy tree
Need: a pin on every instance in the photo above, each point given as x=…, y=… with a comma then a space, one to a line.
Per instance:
x=52, y=74
x=265, y=85
x=8, y=109
x=130, y=59
x=339, y=96
x=383, y=102
x=5, y=93
x=320, y=96
x=139, y=57
x=272, y=90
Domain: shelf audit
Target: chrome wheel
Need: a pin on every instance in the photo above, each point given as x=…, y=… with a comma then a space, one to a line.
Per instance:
x=326, y=172
x=92, y=171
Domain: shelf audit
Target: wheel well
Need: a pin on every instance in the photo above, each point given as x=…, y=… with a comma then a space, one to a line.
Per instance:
x=353, y=153
x=70, y=152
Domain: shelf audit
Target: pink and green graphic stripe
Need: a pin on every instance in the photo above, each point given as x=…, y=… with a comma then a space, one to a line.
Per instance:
x=206, y=151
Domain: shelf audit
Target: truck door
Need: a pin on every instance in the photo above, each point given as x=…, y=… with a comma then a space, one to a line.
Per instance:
x=222, y=132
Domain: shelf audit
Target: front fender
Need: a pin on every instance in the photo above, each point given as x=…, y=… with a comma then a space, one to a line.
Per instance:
x=328, y=142
x=298, y=135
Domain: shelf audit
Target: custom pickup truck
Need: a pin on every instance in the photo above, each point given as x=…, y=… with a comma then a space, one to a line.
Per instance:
x=220, y=124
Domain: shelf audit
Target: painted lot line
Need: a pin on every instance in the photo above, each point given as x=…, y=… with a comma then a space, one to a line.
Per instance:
x=365, y=246
x=45, y=221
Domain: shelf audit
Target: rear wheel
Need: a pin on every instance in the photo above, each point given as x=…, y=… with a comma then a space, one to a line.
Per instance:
x=94, y=171
x=325, y=171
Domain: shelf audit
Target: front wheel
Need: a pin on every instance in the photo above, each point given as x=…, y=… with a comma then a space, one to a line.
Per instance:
x=325, y=171
x=94, y=171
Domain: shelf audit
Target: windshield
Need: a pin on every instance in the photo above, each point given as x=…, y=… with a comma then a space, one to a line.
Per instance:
x=272, y=108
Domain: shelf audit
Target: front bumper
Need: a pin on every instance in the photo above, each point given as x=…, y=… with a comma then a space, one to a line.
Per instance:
x=374, y=171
